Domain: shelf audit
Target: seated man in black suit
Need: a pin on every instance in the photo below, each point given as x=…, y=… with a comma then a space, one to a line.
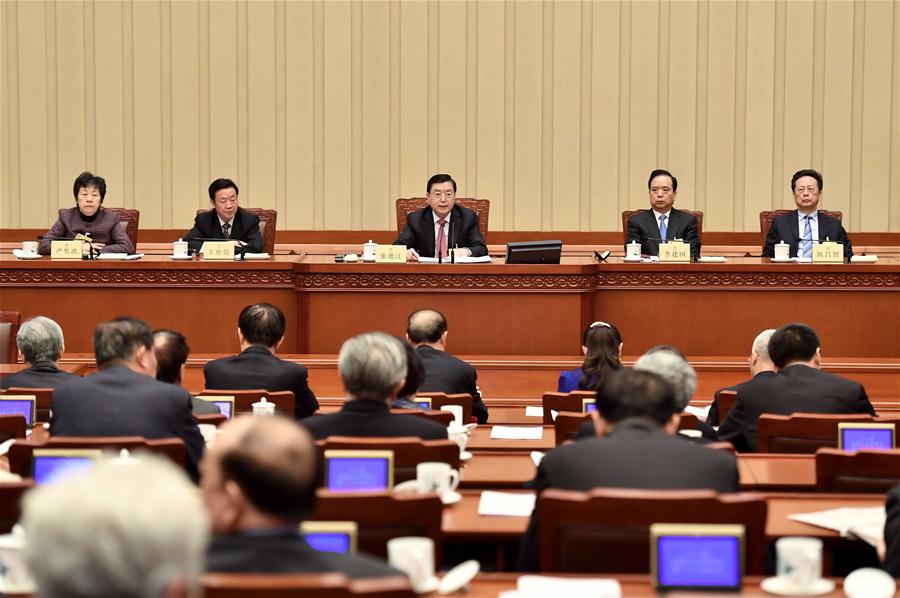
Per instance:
x=442, y=225
x=636, y=448
x=260, y=333
x=798, y=387
x=662, y=221
x=426, y=329
x=226, y=220
x=40, y=341
x=373, y=370
x=805, y=225
x=892, y=533
x=259, y=482
x=761, y=366
x=123, y=398
x=171, y=351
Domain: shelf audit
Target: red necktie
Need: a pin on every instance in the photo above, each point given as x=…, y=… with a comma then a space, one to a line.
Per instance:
x=442, y=238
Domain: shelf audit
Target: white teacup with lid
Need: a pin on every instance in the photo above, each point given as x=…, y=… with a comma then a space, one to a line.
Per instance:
x=782, y=251
x=180, y=248
x=263, y=408
x=369, y=251
x=633, y=251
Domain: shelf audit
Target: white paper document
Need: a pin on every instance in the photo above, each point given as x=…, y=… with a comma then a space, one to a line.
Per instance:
x=534, y=412
x=866, y=523
x=517, y=432
x=701, y=412
x=485, y=259
x=506, y=504
x=529, y=586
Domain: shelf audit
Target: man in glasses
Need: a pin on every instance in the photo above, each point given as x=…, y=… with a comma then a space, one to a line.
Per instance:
x=662, y=221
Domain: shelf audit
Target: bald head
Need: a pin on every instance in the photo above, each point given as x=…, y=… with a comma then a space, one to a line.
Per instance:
x=426, y=326
x=759, y=353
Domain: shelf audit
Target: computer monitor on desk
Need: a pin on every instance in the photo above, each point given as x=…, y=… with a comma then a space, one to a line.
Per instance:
x=331, y=536
x=697, y=556
x=533, y=252
x=855, y=437
x=50, y=465
x=359, y=471
x=19, y=405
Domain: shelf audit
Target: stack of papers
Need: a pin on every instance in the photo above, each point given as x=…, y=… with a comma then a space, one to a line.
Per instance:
x=506, y=504
x=701, y=412
x=542, y=585
x=866, y=523
x=517, y=432
x=534, y=412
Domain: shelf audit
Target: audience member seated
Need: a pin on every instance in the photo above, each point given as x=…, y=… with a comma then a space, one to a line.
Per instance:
x=123, y=398
x=892, y=533
x=373, y=370
x=426, y=329
x=40, y=341
x=636, y=448
x=761, y=366
x=171, y=351
x=129, y=530
x=260, y=333
x=415, y=375
x=259, y=482
x=601, y=345
x=799, y=387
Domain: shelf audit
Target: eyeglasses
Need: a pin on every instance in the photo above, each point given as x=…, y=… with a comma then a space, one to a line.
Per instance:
x=599, y=324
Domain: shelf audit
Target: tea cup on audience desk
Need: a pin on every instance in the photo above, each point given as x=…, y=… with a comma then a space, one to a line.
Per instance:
x=459, y=435
x=435, y=476
x=414, y=556
x=799, y=563
x=14, y=576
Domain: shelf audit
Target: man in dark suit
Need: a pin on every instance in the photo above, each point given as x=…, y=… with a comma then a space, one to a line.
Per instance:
x=442, y=225
x=892, y=533
x=662, y=221
x=761, y=366
x=259, y=483
x=426, y=329
x=260, y=333
x=799, y=387
x=40, y=341
x=373, y=370
x=171, y=351
x=636, y=448
x=123, y=398
x=806, y=225
x=226, y=220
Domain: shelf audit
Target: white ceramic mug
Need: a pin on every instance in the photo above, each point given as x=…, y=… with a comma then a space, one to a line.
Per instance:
x=15, y=576
x=263, y=408
x=457, y=412
x=799, y=562
x=633, y=250
x=369, y=251
x=782, y=251
x=29, y=247
x=435, y=476
x=180, y=248
x=414, y=556
x=459, y=435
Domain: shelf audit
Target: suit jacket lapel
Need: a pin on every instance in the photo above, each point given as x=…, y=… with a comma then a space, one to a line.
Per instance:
x=795, y=226
x=237, y=225
x=428, y=223
x=672, y=227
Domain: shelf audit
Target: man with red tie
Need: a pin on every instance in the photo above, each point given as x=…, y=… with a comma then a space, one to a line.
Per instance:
x=442, y=225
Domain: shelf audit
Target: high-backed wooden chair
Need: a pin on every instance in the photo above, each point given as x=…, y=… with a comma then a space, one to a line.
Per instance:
x=442, y=417
x=867, y=471
x=9, y=327
x=213, y=419
x=571, y=525
x=12, y=426
x=382, y=516
x=564, y=401
x=267, y=221
x=806, y=432
x=440, y=399
x=129, y=220
x=21, y=453
x=482, y=207
x=244, y=399
x=567, y=424
x=321, y=585
x=767, y=216
x=43, y=399
x=727, y=399
x=10, y=503
x=408, y=451
x=626, y=214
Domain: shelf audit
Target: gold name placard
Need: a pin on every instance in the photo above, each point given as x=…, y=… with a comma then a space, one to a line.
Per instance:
x=828, y=252
x=218, y=250
x=390, y=254
x=65, y=250
x=675, y=251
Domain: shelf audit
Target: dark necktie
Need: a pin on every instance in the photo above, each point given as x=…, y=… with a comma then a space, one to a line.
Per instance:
x=226, y=230
x=442, y=238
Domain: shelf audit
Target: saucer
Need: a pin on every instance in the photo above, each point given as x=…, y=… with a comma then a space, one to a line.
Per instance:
x=181, y=257
x=465, y=456
x=787, y=261
x=458, y=577
x=427, y=587
x=407, y=486
x=26, y=256
x=631, y=259
x=778, y=585
x=451, y=498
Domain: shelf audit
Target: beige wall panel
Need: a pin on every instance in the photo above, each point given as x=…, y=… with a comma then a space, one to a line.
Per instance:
x=837, y=121
x=798, y=93
x=377, y=203
x=414, y=92
x=147, y=104
x=682, y=136
x=894, y=220
x=605, y=118
x=70, y=108
x=336, y=153
x=451, y=88
x=8, y=117
x=188, y=188
x=223, y=93
x=528, y=117
x=566, y=115
x=490, y=109
x=261, y=132
x=110, y=110
x=644, y=85
x=300, y=151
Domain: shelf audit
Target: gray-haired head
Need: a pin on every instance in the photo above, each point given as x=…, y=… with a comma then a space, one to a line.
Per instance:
x=120, y=529
x=40, y=339
x=672, y=368
x=761, y=344
x=372, y=365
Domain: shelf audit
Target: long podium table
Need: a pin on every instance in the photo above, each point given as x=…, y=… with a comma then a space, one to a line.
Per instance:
x=493, y=309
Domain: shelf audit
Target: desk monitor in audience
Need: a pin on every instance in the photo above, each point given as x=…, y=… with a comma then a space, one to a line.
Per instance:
x=331, y=536
x=704, y=557
x=854, y=437
x=359, y=471
x=52, y=465
x=19, y=405
x=225, y=405
x=588, y=405
x=424, y=403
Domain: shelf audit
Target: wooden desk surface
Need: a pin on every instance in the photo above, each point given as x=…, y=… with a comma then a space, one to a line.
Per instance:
x=776, y=472
x=480, y=440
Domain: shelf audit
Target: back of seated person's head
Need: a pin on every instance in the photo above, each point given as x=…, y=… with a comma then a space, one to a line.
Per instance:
x=118, y=530
x=602, y=345
x=125, y=341
x=40, y=339
x=669, y=348
x=426, y=326
x=671, y=366
x=372, y=366
x=171, y=351
x=259, y=473
x=262, y=324
x=635, y=393
x=415, y=372
x=793, y=343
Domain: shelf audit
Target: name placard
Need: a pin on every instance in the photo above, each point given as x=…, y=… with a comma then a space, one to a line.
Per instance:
x=828, y=252
x=65, y=250
x=675, y=251
x=390, y=254
x=218, y=250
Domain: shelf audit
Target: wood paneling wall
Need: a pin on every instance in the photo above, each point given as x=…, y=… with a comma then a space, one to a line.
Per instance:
x=556, y=111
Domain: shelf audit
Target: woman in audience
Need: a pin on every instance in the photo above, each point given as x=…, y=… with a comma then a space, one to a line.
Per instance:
x=602, y=348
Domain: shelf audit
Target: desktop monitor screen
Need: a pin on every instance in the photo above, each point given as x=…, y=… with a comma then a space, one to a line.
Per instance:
x=424, y=403
x=588, y=405
x=359, y=471
x=331, y=536
x=854, y=437
x=51, y=465
x=533, y=252
x=225, y=404
x=697, y=556
x=10, y=405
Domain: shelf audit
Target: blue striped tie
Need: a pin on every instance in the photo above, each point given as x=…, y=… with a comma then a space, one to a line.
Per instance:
x=662, y=227
x=807, y=237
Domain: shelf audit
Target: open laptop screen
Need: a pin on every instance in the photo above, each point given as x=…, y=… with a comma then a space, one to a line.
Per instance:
x=19, y=406
x=359, y=471
x=856, y=437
